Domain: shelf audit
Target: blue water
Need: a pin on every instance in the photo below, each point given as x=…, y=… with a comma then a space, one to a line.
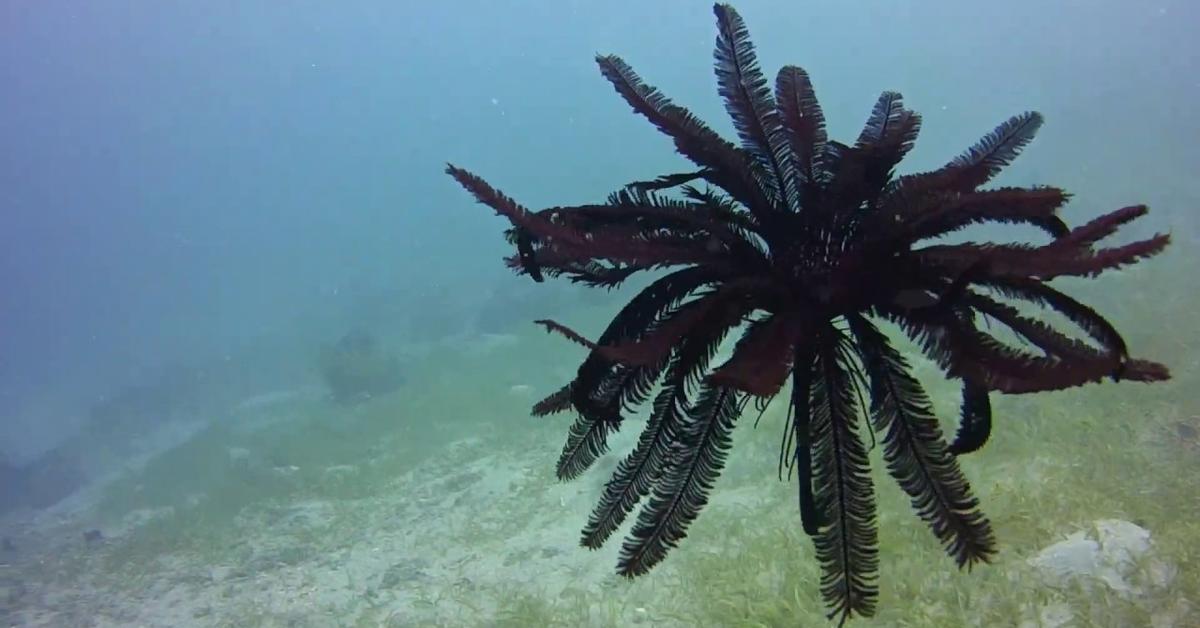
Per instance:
x=190, y=183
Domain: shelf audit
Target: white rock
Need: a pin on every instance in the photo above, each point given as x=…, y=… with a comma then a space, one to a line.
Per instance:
x=1109, y=553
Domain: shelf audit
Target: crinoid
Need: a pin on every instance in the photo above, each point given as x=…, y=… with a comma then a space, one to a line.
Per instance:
x=797, y=243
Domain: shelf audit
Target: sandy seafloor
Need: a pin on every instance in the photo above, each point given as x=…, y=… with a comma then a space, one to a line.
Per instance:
x=437, y=505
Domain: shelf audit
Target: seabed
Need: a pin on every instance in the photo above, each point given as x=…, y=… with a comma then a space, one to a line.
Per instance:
x=437, y=506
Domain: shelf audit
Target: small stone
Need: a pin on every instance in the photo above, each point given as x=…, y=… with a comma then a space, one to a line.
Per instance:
x=1108, y=554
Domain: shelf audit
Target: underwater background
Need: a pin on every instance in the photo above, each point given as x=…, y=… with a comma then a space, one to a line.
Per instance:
x=261, y=363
